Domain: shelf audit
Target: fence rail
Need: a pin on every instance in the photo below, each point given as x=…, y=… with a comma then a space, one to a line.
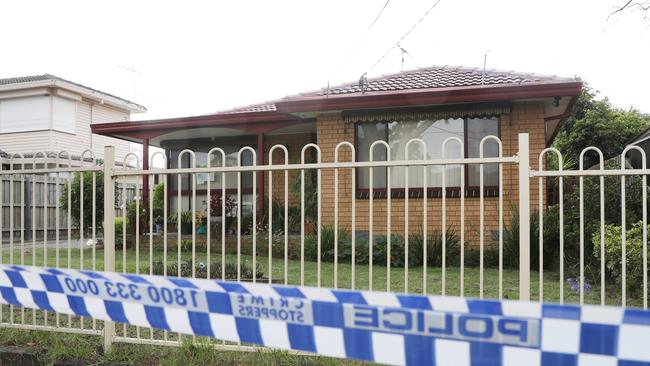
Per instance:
x=313, y=228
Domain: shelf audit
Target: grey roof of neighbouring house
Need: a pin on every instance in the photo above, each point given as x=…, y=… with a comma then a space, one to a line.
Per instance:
x=46, y=77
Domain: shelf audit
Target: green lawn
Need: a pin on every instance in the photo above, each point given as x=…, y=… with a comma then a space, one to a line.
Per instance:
x=379, y=274
x=73, y=349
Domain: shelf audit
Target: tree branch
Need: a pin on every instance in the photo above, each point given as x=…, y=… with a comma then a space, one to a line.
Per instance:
x=629, y=5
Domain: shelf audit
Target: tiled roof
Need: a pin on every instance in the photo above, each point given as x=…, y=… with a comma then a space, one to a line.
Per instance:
x=262, y=107
x=46, y=77
x=25, y=79
x=424, y=78
x=437, y=77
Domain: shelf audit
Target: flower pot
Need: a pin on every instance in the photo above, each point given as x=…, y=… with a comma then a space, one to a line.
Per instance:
x=309, y=228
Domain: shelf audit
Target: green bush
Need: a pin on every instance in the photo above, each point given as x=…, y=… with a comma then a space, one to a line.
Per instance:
x=327, y=244
x=75, y=199
x=613, y=254
x=159, y=203
x=434, y=248
x=612, y=198
x=119, y=229
x=277, y=245
x=490, y=257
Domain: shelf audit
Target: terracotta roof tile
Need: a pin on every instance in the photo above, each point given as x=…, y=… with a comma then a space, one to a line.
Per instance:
x=437, y=77
x=424, y=78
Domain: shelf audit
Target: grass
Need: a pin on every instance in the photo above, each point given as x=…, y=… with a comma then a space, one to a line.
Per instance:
x=138, y=261
x=74, y=349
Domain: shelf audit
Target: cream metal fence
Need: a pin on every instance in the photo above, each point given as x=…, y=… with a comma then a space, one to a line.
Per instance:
x=221, y=254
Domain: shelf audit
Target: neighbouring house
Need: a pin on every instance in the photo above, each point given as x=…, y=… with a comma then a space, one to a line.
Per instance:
x=431, y=103
x=45, y=113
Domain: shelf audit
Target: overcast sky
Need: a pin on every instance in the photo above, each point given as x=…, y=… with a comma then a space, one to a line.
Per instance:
x=197, y=57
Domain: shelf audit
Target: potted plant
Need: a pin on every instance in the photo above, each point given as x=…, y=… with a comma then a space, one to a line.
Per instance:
x=186, y=222
x=201, y=219
x=158, y=222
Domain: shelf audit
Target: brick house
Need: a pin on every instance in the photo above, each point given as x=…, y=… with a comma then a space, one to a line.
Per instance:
x=430, y=103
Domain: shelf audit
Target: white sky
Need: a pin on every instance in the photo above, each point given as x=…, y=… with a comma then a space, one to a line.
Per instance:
x=197, y=57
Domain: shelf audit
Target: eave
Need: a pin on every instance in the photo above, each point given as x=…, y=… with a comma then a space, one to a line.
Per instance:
x=490, y=93
x=252, y=122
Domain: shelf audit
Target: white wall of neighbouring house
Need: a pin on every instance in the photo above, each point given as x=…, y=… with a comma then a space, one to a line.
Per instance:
x=55, y=123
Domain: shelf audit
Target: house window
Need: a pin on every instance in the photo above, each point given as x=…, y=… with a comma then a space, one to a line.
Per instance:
x=433, y=133
x=25, y=114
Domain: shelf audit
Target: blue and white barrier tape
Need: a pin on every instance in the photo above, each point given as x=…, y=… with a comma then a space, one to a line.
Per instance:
x=373, y=326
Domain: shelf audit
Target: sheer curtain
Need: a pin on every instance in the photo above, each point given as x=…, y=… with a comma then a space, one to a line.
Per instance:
x=477, y=129
x=367, y=133
x=433, y=133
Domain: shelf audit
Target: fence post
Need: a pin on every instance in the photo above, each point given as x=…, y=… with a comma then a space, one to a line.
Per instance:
x=524, y=217
x=109, y=230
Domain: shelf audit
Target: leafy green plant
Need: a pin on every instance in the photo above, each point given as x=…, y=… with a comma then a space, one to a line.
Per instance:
x=613, y=254
x=159, y=202
x=201, y=270
x=434, y=248
x=327, y=244
x=75, y=199
x=119, y=230
x=311, y=195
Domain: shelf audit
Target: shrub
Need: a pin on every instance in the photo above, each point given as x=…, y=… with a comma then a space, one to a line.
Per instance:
x=434, y=248
x=159, y=202
x=612, y=196
x=119, y=228
x=490, y=257
x=75, y=199
x=613, y=254
x=511, y=239
x=327, y=244
x=201, y=270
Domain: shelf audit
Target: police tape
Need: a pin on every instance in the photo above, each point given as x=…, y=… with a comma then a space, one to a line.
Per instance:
x=380, y=327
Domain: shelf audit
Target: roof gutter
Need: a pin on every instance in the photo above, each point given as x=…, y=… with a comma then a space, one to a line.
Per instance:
x=214, y=120
x=429, y=97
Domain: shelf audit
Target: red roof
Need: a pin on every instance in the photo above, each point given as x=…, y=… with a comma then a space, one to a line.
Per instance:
x=436, y=85
x=433, y=78
x=437, y=77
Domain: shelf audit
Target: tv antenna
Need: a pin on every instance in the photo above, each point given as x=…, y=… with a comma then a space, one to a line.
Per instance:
x=484, y=65
x=135, y=73
x=403, y=51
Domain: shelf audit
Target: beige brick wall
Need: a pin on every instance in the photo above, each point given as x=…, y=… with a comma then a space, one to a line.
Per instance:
x=524, y=117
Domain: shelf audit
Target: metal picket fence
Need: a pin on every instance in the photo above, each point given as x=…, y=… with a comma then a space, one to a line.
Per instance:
x=150, y=237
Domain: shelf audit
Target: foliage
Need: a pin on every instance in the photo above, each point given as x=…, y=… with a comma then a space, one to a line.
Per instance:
x=201, y=270
x=277, y=208
x=434, y=248
x=380, y=248
x=311, y=194
x=159, y=202
x=75, y=199
x=613, y=254
x=143, y=221
x=598, y=123
x=216, y=203
x=612, y=201
x=327, y=244
x=119, y=229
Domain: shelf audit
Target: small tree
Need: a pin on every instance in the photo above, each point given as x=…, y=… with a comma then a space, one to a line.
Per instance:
x=75, y=200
